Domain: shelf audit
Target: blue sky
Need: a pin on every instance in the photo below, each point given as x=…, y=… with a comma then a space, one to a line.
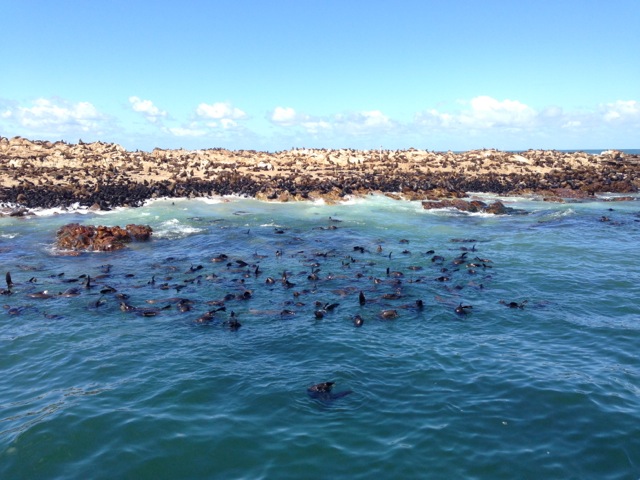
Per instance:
x=272, y=75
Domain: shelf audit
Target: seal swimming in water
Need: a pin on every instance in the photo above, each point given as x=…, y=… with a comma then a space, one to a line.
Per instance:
x=514, y=304
x=98, y=303
x=125, y=307
x=323, y=391
x=361, y=298
x=463, y=309
x=389, y=314
x=43, y=294
x=232, y=324
x=7, y=291
x=70, y=292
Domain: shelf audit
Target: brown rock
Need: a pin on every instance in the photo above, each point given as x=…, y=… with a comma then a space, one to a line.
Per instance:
x=103, y=239
x=476, y=206
x=139, y=232
x=497, y=208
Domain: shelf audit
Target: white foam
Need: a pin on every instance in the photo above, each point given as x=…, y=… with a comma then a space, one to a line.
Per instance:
x=74, y=208
x=173, y=228
x=613, y=196
x=454, y=212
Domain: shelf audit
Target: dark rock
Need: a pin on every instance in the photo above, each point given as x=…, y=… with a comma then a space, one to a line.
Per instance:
x=18, y=212
x=473, y=206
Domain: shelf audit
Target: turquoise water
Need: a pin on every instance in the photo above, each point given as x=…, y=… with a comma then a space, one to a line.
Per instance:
x=550, y=390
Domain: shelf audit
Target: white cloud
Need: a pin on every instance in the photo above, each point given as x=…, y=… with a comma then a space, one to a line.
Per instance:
x=552, y=112
x=284, y=116
x=352, y=123
x=56, y=116
x=374, y=118
x=363, y=123
x=487, y=112
x=220, y=120
x=219, y=111
x=622, y=110
x=187, y=132
x=433, y=118
x=317, y=127
x=483, y=112
x=146, y=108
x=482, y=120
x=225, y=123
x=228, y=123
x=572, y=124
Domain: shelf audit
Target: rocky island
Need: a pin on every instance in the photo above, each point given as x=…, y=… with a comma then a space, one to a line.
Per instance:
x=104, y=175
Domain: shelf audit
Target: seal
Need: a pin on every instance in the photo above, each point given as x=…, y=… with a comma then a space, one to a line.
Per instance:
x=463, y=309
x=87, y=282
x=7, y=291
x=514, y=304
x=207, y=317
x=70, y=292
x=392, y=296
x=184, y=305
x=323, y=391
x=125, y=307
x=43, y=294
x=232, y=324
x=98, y=303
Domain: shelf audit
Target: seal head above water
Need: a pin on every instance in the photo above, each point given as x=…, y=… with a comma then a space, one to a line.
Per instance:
x=323, y=391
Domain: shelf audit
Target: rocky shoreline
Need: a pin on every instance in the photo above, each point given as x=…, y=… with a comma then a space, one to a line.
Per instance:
x=43, y=174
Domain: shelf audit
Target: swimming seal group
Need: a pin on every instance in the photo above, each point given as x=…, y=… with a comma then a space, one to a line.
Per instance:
x=357, y=286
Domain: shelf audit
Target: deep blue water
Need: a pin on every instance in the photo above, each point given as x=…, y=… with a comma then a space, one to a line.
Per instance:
x=549, y=390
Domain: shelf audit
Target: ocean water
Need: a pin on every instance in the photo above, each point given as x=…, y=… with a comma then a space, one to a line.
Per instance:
x=549, y=390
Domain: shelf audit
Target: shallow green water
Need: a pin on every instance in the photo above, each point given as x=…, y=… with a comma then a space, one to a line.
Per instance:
x=551, y=390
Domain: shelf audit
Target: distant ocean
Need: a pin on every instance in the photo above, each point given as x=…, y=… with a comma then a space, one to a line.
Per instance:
x=590, y=151
x=630, y=151
x=598, y=151
x=539, y=378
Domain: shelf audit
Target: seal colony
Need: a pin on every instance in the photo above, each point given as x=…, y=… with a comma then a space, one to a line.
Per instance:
x=105, y=175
